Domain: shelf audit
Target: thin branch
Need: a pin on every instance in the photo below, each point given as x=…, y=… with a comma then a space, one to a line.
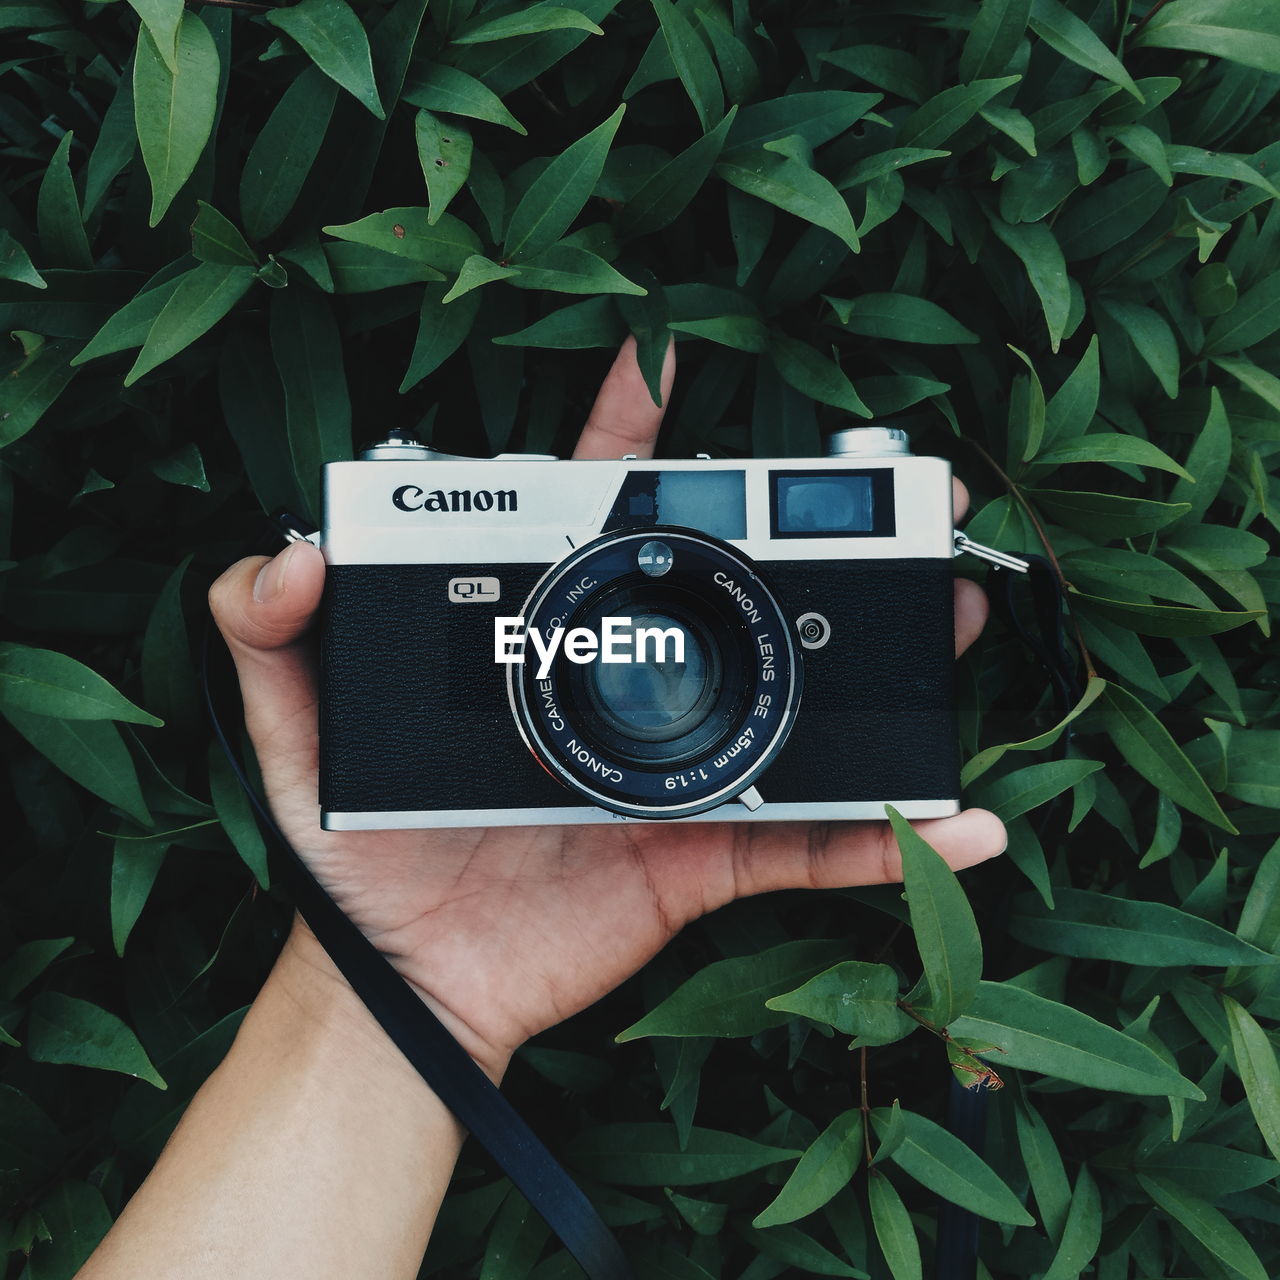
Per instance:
x=1142, y=22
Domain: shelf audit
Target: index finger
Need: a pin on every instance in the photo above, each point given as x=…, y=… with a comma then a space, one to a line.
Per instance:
x=624, y=418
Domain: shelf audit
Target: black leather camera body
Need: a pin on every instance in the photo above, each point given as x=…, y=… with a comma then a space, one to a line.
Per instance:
x=522, y=640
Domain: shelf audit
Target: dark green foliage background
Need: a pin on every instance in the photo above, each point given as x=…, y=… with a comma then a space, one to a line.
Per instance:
x=1067, y=238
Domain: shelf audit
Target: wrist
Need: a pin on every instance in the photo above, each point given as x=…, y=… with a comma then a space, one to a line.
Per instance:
x=316, y=985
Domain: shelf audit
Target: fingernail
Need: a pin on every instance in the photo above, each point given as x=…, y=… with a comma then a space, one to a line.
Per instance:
x=270, y=580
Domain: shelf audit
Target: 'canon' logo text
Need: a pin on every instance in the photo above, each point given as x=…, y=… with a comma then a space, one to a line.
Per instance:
x=409, y=497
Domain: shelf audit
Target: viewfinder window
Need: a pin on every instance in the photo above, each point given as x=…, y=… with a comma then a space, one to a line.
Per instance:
x=832, y=504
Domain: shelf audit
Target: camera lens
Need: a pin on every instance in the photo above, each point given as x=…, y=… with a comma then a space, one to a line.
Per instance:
x=688, y=682
x=668, y=686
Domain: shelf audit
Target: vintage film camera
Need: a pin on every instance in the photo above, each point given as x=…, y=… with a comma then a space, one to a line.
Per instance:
x=799, y=621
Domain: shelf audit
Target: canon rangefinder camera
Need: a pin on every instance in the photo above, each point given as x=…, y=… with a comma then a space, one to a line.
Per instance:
x=524, y=640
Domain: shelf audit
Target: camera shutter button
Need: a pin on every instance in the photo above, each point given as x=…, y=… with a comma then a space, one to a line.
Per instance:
x=814, y=630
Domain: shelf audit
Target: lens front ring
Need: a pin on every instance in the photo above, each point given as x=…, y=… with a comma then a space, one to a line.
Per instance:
x=719, y=592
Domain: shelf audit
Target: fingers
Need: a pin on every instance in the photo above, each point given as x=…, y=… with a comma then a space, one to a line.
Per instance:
x=263, y=608
x=846, y=855
x=959, y=499
x=972, y=608
x=624, y=418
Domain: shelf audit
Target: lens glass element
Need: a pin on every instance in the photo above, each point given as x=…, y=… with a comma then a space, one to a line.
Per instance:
x=668, y=686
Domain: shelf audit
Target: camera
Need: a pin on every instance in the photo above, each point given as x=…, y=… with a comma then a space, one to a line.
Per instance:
x=524, y=640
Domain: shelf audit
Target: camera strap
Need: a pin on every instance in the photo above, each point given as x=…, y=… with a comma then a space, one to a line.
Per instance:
x=439, y=1059
x=1040, y=628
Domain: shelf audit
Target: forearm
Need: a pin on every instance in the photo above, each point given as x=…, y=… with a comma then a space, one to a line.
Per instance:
x=314, y=1150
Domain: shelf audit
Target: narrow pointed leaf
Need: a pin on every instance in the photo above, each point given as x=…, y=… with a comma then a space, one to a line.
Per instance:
x=942, y=921
x=173, y=111
x=558, y=193
x=52, y=684
x=824, y=1170
x=332, y=36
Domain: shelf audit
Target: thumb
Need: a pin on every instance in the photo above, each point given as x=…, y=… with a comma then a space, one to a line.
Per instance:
x=264, y=608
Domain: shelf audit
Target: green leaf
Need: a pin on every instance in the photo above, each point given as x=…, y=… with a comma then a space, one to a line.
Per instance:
x=308, y=354
x=1071, y=410
x=1255, y=1061
x=134, y=867
x=1082, y=1233
x=793, y=186
x=993, y=39
x=942, y=921
x=1037, y=249
x=1208, y=1169
x=62, y=234
x=815, y=117
x=894, y=70
x=1044, y=1167
x=65, y=1029
x=531, y=20
x=558, y=193
x=856, y=998
x=1105, y=515
x=987, y=757
x=173, y=110
x=940, y=1161
x=129, y=326
x=90, y=752
x=1208, y=461
x=1100, y=219
x=235, y=813
x=825, y=1169
x=944, y=114
x=1028, y=788
x=331, y=35
x=1070, y=36
x=650, y=1155
x=1146, y=745
x=1214, y=164
x=161, y=19
x=356, y=268
x=893, y=1227
x=800, y=1253
x=1214, y=548
x=438, y=87
x=477, y=271
x=31, y=386
x=1252, y=320
x=1244, y=31
x=593, y=322
x=203, y=296
x=16, y=265
x=441, y=331
x=665, y=195
x=27, y=962
x=903, y=318
x=214, y=238
x=1164, y=620
x=444, y=151
x=1111, y=447
x=565, y=268
x=728, y=998
x=51, y=684
x=73, y=1219
x=1151, y=334
x=1028, y=1031
x=1209, y=1227
x=692, y=63
x=814, y=374
x=284, y=151
x=115, y=147
x=1102, y=926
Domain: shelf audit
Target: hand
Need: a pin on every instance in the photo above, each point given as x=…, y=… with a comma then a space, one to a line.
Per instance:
x=507, y=931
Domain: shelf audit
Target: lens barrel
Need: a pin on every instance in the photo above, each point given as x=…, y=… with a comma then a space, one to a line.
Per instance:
x=694, y=715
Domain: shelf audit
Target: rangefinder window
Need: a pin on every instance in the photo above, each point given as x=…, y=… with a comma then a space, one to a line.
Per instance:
x=832, y=504
x=713, y=501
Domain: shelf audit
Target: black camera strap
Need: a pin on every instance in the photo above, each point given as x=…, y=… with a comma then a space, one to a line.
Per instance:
x=1038, y=622
x=439, y=1059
